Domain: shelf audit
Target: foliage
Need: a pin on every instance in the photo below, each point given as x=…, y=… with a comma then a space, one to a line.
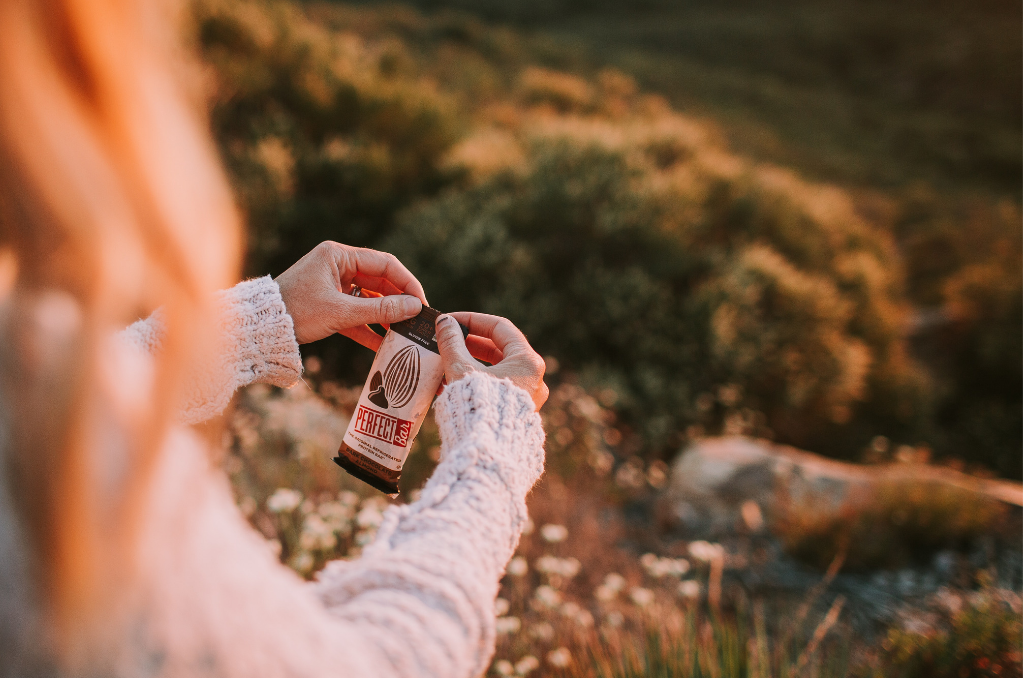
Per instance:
x=707, y=645
x=965, y=268
x=575, y=603
x=980, y=637
x=628, y=241
x=323, y=138
x=866, y=93
x=572, y=602
x=890, y=527
x=662, y=268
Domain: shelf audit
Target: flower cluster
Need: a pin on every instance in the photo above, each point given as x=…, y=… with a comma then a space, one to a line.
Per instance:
x=548, y=619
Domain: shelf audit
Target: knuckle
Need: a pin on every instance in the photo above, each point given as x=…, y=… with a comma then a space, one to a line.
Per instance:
x=537, y=363
x=446, y=338
x=390, y=307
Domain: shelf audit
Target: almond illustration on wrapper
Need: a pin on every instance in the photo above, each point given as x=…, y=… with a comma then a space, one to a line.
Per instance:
x=405, y=376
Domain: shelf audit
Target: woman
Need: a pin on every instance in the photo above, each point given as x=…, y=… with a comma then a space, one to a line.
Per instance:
x=121, y=551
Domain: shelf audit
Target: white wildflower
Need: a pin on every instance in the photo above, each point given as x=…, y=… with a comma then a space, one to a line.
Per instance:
x=546, y=596
x=348, y=498
x=584, y=618
x=284, y=500
x=369, y=517
x=661, y=567
x=526, y=665
x=503, y=667
x=604, y=593
x=564, y=567
x=316, y=534
x=507, y=625
x=705, y=551
x=615, y=619
x=501, y=607
x=302, y=562
x=518, y=566
x=577, y=614
x=630, y=476
x=554, y=533
x=689, y=589
x=641, y=597
x=614, y=581
x=543, y=632
x=337, y=515
x=560, y=657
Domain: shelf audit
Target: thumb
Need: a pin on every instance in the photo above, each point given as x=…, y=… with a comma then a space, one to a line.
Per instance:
x=454, y=354
x=359, y=311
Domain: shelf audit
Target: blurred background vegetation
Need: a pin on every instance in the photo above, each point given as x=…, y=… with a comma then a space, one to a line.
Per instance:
x=812, y=209
x=798, y=222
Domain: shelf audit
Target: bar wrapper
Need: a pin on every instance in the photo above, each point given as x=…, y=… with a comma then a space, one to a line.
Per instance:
x=402, y=383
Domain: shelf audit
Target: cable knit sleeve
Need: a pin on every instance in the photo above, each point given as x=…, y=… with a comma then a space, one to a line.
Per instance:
x=257, y=345
x=423, y=592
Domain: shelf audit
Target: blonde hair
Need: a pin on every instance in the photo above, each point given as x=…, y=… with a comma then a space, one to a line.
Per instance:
x=112, y=203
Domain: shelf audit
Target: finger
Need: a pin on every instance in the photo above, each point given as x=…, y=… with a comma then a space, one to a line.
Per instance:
x=483, y=349
x=383, y=265
x=540, y=398
x=376, y=285
x=365, y=336
x=369, y=293
x=453, y=351
x=506, y=337
x=355, y=311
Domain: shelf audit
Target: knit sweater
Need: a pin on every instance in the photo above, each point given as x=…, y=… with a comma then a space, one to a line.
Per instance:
x=419, y=602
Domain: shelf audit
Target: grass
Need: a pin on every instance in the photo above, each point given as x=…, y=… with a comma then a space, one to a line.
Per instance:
x=575, y=602
x=516, y=175
x=890, y=527
x=882, y=94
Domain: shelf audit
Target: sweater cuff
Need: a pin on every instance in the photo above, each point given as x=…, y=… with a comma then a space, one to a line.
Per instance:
x=501, y=417
x=262, y=332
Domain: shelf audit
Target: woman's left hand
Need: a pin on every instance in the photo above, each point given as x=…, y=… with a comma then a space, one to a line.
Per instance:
x=316, y=292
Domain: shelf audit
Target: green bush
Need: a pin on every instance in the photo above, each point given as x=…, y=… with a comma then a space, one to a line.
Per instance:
x=324, y=140
x=625, y=238
x=897, y=524
x=665, y=289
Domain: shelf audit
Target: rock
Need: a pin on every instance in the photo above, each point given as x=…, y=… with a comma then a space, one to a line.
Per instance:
x=713, y=478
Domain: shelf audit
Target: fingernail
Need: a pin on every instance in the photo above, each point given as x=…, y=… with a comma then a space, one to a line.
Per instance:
x=443, y=318
x=411, y=305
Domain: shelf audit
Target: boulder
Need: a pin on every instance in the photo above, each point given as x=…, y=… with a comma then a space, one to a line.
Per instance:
x=719, y=484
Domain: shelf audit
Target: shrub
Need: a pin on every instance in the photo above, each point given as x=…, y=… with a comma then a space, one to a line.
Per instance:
x=894, y=525
x=324, y=140
x=682, y=268
x=982, y=638
x=664, y=277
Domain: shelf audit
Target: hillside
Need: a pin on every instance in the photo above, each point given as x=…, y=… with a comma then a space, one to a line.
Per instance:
x=700, y=287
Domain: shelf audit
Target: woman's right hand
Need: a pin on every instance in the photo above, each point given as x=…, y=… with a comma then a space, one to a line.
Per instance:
x=498, y=342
